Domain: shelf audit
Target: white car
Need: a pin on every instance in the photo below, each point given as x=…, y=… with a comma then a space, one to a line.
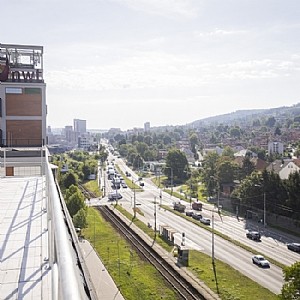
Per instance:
x=260, y=261
x=205, y=221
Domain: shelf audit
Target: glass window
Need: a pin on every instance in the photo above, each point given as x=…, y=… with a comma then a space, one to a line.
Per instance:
x=32, y=91
x=11, y=90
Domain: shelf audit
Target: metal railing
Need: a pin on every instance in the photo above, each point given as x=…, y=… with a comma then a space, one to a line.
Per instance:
x=66, y=282
x=69, y=274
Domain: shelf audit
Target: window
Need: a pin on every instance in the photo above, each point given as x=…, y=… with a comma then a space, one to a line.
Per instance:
x=10, y=90
x=32, y=91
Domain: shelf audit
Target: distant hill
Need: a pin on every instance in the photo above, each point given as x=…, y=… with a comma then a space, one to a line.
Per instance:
x=246, y=116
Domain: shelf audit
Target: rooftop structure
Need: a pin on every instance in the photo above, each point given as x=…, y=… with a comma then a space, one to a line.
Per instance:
x=22, y=96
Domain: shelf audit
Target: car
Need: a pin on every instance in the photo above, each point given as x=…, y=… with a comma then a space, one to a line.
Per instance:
x=142, y=183
x=197, y=216
x=127, y=174
x=114, y=196
x=253, y=235
x=205, y=221
x=189, y=213
x=260, y=261
x=294, y=247
x=124, y=185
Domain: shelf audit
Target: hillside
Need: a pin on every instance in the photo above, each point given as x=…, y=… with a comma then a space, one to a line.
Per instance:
x=247, y=116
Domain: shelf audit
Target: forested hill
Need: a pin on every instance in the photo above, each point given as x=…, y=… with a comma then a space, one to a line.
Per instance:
x=248, y=116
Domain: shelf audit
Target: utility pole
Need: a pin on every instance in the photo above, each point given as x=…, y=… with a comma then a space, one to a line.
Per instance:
x=213, y=238
x=171, y=181
x=155, y=217
x=265, y=224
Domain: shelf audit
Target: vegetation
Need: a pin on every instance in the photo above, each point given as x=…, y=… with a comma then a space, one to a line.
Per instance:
x=78, y=166
x=291, y=287
x=135, y=277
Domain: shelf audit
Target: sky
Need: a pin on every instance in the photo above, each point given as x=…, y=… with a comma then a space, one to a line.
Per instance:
x=121, y=63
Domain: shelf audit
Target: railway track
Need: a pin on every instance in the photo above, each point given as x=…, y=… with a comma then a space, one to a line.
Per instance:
x=183, y=287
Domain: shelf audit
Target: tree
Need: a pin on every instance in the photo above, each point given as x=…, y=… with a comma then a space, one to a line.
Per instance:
x=75, y=202
x=291, y=287
x=248, y=166
x=79, y=220
x=69, y=179
x=194, y=141
x=228, y=151
x=235, y=132
x=270, y=122
x=226, y=171
x=176, y=165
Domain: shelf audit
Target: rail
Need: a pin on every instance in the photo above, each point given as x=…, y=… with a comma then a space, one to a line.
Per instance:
x=65, y=281
x=183, y=287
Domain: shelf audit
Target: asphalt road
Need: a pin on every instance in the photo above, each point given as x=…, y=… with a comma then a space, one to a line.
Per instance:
x=272, y=243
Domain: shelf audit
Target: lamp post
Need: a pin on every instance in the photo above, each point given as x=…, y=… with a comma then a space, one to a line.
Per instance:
x=171, y=179
x=154, y=217
x=218, y=190
x=213, y=238
x=264, y=199
x=134, y=198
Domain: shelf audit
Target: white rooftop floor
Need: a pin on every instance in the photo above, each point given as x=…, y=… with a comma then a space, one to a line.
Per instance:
x=24, y=272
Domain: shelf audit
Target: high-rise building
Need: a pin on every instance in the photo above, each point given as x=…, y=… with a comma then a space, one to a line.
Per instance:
x=147, y=127
x=80, y=126
x=22, y=96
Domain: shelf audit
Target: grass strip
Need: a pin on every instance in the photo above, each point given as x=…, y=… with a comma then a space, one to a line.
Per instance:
x=135, y=277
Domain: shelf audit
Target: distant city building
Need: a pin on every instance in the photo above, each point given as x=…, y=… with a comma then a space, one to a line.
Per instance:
x=80, y=126
x=275, y=147
x=22, y=96
x=84, y=141
x=147, y=126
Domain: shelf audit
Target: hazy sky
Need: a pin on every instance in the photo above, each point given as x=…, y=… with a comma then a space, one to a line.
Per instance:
x=120, y=63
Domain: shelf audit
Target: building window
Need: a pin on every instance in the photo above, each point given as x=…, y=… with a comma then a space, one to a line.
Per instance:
x=32, y=91
x=10, y=90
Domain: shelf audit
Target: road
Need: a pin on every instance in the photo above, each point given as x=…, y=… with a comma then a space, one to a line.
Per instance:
x=272, y=243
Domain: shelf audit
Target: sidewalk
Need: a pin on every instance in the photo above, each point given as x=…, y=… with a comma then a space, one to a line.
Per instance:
x=105, y=287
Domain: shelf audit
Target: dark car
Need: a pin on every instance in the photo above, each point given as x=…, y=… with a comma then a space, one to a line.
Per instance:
x=253, y=235
x=294, y=247
x=142, y=183
x=114, y=196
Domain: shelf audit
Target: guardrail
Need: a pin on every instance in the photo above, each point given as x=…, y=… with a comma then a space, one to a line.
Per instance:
x=65, y=278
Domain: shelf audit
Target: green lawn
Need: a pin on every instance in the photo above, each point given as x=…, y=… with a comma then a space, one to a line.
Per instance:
x=136, y=278
x=232, y=285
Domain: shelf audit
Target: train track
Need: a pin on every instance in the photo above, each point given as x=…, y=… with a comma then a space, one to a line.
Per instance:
x=184, y=288
x=86, y=192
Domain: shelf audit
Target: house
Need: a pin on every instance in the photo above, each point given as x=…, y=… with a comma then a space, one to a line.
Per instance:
x=283, y=168
x=244, y=153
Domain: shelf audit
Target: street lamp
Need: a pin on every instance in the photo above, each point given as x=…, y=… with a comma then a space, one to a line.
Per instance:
x=264, y=198
x=154, y=217
x=218, y=190
x=171, y=179
x=134, y=197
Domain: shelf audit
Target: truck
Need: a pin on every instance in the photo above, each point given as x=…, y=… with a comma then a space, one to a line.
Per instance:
x=197, y=205
x=111, y=174
x=179, y=207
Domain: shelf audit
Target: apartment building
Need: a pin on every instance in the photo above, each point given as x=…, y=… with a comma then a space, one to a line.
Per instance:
x=22, y=96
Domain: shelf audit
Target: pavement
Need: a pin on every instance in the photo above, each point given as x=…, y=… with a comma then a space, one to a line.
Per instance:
x=105, y=287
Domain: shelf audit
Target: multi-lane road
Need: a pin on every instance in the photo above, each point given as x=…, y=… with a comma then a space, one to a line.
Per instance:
x=273, y=243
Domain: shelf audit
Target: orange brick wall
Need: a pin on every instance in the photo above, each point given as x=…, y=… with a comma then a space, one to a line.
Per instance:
x=25, y=131
x=23, y=105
